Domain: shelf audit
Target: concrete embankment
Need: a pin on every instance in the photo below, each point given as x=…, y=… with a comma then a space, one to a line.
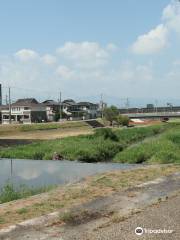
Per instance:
x=105, y=215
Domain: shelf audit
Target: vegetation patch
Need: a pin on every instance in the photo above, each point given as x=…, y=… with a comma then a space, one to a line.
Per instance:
x=165, y=149
x=79, y=217
x=104, y=145
x=9, y=192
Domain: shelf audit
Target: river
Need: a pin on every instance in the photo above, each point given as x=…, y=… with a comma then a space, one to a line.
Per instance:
x=38, y=173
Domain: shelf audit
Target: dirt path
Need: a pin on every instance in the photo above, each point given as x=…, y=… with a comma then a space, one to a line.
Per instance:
x=151, y=205
x=48, y=134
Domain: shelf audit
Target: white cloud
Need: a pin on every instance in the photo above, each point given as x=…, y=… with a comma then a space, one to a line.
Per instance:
x=171, y=16
x=84, y=54
x=26, y=55
x=65, y=72
x=157, y=39
x=152, y=42
x=49, y=59
x=135, y=73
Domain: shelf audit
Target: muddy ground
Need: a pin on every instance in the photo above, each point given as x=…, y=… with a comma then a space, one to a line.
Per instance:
x=14, y=142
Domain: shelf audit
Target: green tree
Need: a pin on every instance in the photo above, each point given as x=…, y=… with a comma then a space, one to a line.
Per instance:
x=122, y=120
x=57, y=116
x=110, y=114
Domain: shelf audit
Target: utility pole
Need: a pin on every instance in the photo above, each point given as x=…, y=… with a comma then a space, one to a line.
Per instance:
x=6, y=99
x=127, y=105
x=60, y=107
x=156, y=104
x=9, y=105
x=102, y=105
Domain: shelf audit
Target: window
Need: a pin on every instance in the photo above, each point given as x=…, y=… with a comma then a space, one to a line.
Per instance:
x=15, y=109
x=5, y=117
x=26, y=116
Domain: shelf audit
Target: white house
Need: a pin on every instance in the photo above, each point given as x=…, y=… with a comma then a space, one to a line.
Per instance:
x=26, y=110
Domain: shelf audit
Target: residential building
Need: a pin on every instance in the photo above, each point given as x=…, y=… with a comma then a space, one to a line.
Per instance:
x=72, y=110
x=26, y=110
x=91, y=109
x=52, y=108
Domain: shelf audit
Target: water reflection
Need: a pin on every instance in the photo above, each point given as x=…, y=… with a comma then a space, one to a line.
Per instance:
x=39, y=173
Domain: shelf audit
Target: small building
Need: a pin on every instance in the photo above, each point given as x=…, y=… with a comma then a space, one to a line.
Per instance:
x=27, y=110
x=72, y=110
x=91, y=109
x=52, y=108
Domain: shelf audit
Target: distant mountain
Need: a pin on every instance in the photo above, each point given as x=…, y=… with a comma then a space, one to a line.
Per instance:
x=131, y=102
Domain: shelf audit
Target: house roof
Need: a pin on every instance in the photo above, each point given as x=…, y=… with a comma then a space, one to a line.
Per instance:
x=26, y=102
x=87, y=104
x=69, y=101
x=50, y=102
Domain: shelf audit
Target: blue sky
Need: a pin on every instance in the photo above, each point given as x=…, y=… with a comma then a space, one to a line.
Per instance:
x=45, y=24
x=85, y=48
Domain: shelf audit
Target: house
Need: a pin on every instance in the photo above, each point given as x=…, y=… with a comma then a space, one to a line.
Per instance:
x=27, y=110
x=80, y=110
x=72, y=110
x=52, y=107
x=91, y=109
x=2, y=107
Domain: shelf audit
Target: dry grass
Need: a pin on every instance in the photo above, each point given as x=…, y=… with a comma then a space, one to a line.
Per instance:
x=65, y=197
x=44, y=131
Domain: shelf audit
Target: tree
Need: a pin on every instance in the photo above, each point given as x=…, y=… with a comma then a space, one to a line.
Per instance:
x=110, y=114
x=57, y=116
x=122, y=120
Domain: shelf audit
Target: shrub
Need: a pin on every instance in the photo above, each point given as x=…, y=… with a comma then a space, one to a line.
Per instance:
x=101, y=151
x=110, y=114
x=8, y=193
x=87, y=155
x=38, y=155
x=122, y=120
x=106, y=133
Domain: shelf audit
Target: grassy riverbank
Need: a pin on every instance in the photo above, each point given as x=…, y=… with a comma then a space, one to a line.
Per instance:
x=9, y=192
x=106, y=144
x=65, y=197
x=165, y=149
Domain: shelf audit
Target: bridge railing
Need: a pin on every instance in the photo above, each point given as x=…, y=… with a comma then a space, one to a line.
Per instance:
x=153, y=114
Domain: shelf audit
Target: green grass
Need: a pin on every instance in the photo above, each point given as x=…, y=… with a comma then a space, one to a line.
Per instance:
x=2, y=220
x=9, y=192
x=22, y=211
x=165, y=149
x=81, y=148
x=133, y=135
x=104, y=145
